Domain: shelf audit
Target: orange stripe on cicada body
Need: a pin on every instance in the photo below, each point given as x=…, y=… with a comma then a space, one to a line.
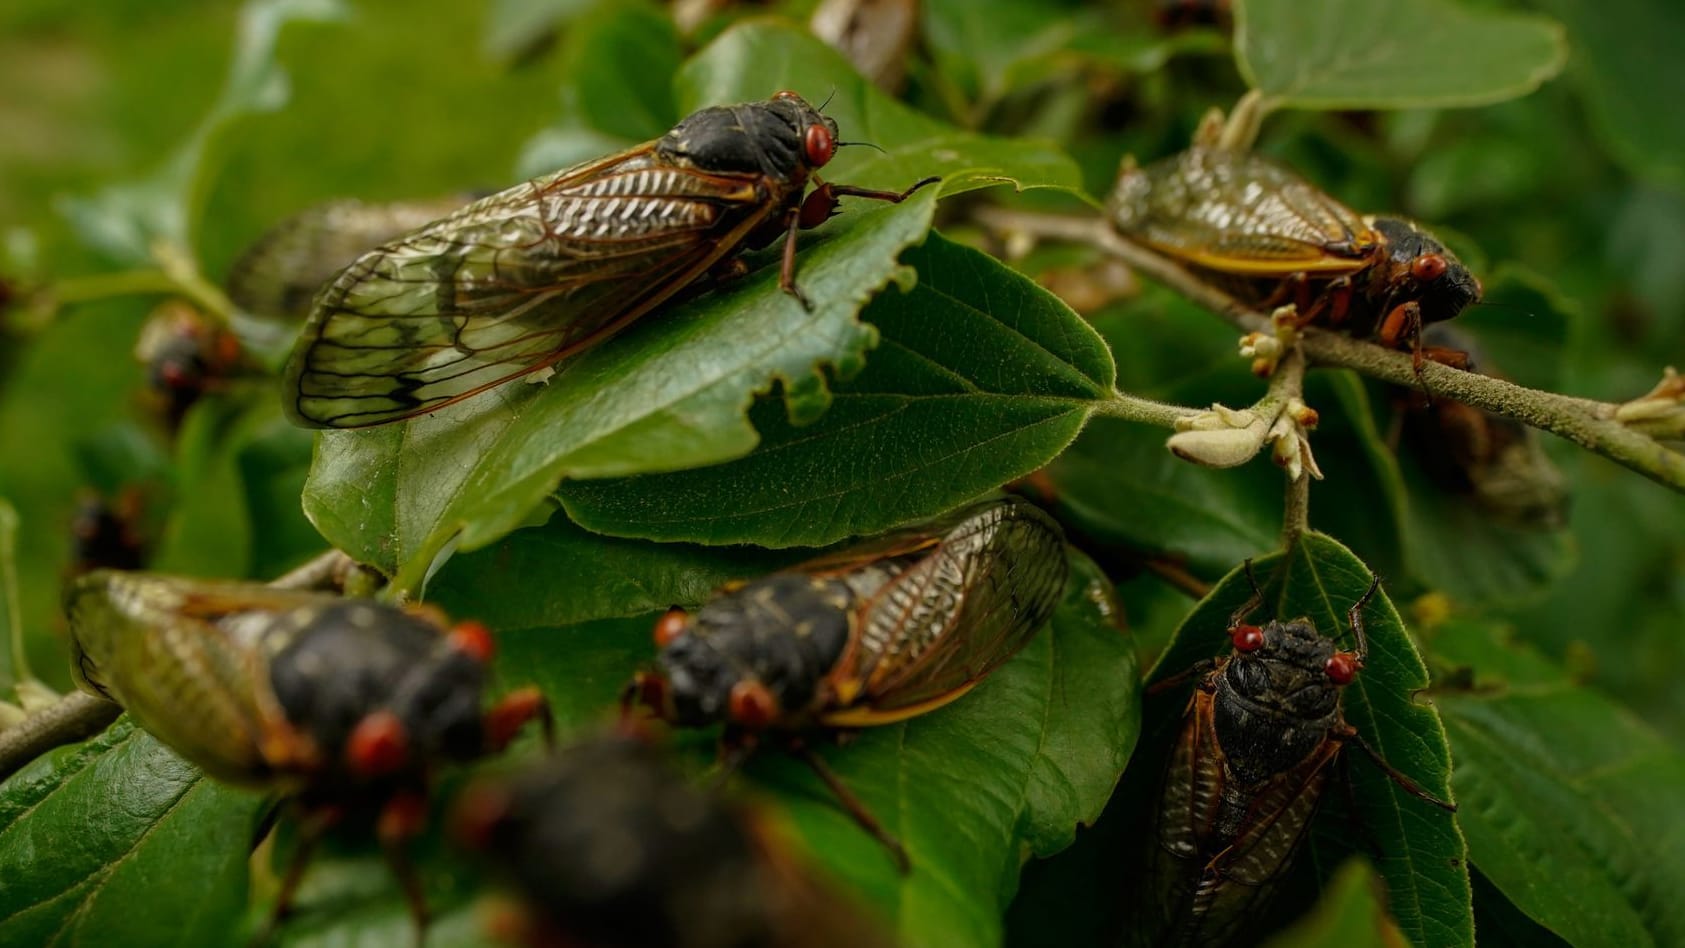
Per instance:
x=1249, y=769
x=526, y=277
x=346, y=706
x=1270, y=238
x=877, y=633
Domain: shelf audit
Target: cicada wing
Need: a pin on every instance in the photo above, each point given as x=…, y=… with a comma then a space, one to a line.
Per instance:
x=1237, y=213
x=512, y=283
x=284, y=268
x=188, y=659
x=960, y=610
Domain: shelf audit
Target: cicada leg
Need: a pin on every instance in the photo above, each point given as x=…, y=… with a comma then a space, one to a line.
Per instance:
x=401, y=819
x=819, y=207
x=855, y=808
x=506, y=718
x=314, y=823
x=1404, y=783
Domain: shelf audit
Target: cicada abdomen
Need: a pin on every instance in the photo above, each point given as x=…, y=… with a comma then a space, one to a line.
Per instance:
x=1269, y=238
x=1249, y=770
x=280, y=273
x=607, y=846
x=345, y=705
x=524, y=278
x=875, y=634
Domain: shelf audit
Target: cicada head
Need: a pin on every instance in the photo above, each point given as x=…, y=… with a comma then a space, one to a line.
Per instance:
x=381, y=692
x=755, y=654
x=1419, y=268
x=1277, y=696
x=783, y=137
x=606, y=844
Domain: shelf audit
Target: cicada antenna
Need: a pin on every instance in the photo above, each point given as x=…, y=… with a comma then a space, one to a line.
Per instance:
x=1252, y=603
x=828, y=101
x=867, y=144
x=1354, y=618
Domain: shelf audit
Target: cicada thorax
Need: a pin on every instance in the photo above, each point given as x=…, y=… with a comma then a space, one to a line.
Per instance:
x=606, y=845
x=534, y=274
x=346, y=706
x=873, y=634
x=1270, y=238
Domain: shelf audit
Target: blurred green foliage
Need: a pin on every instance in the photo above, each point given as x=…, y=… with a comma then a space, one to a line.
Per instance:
x=1555, y=653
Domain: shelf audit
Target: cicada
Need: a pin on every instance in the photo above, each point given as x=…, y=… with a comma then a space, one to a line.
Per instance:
x=187, y=357
x=875, y=634
x=1270, y=238
x=1249, y=769
x=522, y=279
x=1495, y=462
x=344, y=705
x=281, y=271
x=606, y=846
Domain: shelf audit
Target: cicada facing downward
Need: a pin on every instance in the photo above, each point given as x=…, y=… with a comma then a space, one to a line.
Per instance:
x=1270, y=238
x=1249, y=769
x=345, y=705
x=529, y=276
x=878, y=633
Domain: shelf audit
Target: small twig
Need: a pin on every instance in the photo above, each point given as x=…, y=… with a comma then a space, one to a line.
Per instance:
x=1144, y=410
x=74, y=717
x=1586, y=422
x=325, y=570
x=1288, y=383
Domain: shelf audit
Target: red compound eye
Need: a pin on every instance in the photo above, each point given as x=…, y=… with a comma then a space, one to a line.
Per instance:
x=379, y=745
x=670, y=626
x=1342, y=668
x=819, y=144
x=475, y=639
x=752, y=705
x=1428, y=267
x=1247, y=638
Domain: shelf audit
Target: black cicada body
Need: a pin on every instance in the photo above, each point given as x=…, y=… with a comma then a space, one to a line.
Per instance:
x=1270, y=238
x=526, y=277
x=606, y=846
x=1249, y=770
x=878, y=633
x=187, y=357
x=344, y=705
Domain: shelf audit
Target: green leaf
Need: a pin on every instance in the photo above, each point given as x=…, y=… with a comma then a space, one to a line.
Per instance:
x=1352, y=913
x=120, y=842
x=515, y=28
x=14, y=664
x=979, y=377
x=1623, y=53
x=1422, y=850
x=1570, y=804
x=682, y=381
x=1391, y=54
x=125, y=221
x=620, y=60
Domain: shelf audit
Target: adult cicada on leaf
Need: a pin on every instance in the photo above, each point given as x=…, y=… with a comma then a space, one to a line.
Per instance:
x=875, y=634
x=1254, y=756
x=606, y=845
x=281, y=271
x=520, y=280
x=1269, y=238
x=346, y=706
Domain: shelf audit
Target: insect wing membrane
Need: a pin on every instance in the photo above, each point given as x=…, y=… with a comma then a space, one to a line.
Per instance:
x=512, y=283
x=937, y=621
x=1234, y=212
x=187, y=659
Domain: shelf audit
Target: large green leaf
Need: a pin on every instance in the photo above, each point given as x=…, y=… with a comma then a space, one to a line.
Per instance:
x=1570, y=804
x=1351, y=914
x=120, y=842
x=1422, y=851
x=681, y=381
x=1391, y=54
x=980, y=377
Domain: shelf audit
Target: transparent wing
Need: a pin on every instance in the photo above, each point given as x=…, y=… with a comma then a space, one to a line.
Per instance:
x=512, y=283
x=963, y=607
x=1237, y=213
